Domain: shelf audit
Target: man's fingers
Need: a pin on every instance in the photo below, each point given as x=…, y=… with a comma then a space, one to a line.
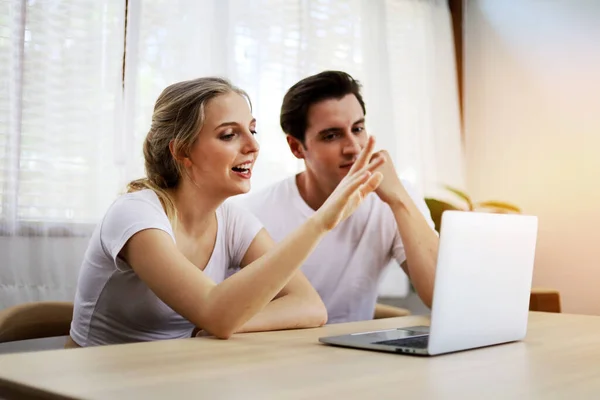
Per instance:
x=378, y=154
x=375, y=163
x=371, y=184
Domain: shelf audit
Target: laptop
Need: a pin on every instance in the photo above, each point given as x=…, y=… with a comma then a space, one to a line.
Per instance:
x=482, y=287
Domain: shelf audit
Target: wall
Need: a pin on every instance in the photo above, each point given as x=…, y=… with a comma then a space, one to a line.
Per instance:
x=532, y=129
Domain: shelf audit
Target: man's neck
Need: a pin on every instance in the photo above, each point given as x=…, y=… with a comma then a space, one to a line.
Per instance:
x=311, y=192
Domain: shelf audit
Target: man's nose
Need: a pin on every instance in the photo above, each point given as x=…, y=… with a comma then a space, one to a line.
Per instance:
x=352, y=145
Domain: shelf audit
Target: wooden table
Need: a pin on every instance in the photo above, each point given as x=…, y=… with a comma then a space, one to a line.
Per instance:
x=559, y=359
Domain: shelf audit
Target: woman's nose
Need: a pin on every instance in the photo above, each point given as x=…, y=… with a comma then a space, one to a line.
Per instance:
x=252, y=145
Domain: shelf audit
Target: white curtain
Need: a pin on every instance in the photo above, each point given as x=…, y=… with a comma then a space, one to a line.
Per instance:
x=60, y=74
x=88, y=129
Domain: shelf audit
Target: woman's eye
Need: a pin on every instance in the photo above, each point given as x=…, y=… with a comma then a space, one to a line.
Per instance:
x=227, y=136
x=254, y=132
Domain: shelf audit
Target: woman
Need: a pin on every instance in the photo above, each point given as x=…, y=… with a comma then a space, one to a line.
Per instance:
x=156, y=264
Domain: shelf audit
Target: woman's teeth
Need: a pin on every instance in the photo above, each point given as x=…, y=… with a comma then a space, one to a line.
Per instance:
x=242, y=167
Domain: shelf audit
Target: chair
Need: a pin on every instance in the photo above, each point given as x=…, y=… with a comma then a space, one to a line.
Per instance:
x=35, y=320
x=545, y=300
x=386, y=311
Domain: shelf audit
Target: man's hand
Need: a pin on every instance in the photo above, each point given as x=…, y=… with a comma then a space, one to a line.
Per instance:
x=390, y=189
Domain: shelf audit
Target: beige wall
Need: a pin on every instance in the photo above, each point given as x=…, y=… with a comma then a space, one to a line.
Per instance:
x=532, y=129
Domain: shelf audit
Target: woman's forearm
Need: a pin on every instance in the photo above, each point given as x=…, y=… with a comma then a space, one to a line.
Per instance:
x=287, y=312
x=233, y=302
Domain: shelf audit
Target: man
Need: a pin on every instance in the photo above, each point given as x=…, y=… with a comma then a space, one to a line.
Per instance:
x=323, y=117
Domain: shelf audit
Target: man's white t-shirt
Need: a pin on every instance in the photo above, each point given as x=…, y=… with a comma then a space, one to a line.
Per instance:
x=112, y=304
x=346, y=266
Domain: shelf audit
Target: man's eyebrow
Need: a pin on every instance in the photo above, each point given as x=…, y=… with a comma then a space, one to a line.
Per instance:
x=360, y=121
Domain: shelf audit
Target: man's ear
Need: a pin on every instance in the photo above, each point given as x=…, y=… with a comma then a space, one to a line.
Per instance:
x=296, y=147
x=178, y=155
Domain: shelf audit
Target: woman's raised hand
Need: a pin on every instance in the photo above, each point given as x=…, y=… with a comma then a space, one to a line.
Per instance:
x=352, y=190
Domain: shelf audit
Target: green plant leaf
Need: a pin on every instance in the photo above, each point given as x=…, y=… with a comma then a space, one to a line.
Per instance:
x=460, y=194
x=436, y=208
x=498, y=205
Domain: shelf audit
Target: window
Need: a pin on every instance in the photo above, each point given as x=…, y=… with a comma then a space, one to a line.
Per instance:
x=73, y=122
x=60, y=75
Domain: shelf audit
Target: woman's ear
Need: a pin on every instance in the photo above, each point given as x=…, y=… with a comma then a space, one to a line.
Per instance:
x=178, y=155
x=172, y=149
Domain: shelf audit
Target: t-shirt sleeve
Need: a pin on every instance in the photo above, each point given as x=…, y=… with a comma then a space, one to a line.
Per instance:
x=125, y=218
x=419, y=200
x=242, y=227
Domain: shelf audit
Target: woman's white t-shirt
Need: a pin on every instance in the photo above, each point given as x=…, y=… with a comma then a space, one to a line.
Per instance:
x=112, y=304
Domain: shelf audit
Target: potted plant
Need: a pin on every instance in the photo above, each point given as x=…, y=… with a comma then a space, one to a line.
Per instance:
x=465, y=203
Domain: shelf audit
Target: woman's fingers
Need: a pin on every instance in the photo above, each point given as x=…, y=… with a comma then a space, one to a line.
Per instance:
x=371, y=184
x=352, y=184
x=364, y=156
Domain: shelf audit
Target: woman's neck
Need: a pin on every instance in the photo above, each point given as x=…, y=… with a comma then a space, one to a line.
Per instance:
x=195, y=210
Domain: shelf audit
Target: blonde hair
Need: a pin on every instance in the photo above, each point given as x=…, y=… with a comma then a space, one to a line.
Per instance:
x=178, y=116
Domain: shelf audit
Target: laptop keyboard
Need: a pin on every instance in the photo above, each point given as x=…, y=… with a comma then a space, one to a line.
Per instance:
x=418, y=342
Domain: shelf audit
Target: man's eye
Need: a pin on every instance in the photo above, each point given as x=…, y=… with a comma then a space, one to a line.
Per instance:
x=330, y=137
x=359, y=129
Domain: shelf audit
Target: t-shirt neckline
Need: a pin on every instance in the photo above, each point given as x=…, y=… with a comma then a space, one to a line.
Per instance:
x=298, y=199
x=216, y=246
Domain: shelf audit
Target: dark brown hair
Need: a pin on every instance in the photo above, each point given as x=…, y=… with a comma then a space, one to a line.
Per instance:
x=322, y=86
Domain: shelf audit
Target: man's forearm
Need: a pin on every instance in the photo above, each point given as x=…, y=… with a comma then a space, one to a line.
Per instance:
x=420, y=245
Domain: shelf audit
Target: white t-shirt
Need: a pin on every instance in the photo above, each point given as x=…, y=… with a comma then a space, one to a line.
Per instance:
x=346, y=266
x=112, y=304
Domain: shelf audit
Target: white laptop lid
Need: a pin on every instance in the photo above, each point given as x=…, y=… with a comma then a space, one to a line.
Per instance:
x=483, y=280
